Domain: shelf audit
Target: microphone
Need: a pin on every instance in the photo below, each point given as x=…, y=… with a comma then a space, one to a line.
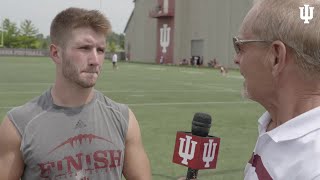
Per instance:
x=201, y=125
x=197, y=150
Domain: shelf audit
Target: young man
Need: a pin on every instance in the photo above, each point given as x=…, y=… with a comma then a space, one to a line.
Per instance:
x=279, y=58
x=73, y=131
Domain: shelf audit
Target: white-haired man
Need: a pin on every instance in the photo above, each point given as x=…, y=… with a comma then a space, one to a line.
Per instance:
x=279, y=57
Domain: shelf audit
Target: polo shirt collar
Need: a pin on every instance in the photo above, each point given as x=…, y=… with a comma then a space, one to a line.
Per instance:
x=292, y=129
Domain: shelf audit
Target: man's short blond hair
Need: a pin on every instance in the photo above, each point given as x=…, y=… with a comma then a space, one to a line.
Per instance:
x=72, y=18
x=280, y=20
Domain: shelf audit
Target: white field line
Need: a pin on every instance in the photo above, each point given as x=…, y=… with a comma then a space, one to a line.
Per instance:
x=7, y=107
x=191, y=103
x=205, y=89
x=235, y=77
x=219, y=88
x=20, y=92
x=174, y=103
x=192, y=72
x=137, y=95
x=24, y=84
x=212, y=87
x=157, y=69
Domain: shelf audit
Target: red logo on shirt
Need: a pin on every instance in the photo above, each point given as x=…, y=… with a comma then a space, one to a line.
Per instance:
x=79, y=164
x=79, y=138
x=261, y=171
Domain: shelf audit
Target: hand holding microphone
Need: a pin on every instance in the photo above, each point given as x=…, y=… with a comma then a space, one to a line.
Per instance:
x=197, y=150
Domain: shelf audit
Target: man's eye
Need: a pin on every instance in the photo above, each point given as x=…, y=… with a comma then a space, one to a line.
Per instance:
x=101, y=50
x=85, y=47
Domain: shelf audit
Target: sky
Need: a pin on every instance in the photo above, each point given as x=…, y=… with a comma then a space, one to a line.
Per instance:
x=41, y=12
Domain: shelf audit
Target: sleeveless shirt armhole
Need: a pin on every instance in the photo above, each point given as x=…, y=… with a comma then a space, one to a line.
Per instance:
x=10, y=117
x=121, y=109
x=125, y=112
x=13, y=121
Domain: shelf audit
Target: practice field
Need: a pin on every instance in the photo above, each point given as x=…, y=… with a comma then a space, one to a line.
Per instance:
x=164, y=100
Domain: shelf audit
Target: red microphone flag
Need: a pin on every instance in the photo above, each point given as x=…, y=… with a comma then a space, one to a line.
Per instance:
x=196, y=152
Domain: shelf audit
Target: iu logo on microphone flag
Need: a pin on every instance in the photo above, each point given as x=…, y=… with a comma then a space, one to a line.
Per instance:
x=196, y=152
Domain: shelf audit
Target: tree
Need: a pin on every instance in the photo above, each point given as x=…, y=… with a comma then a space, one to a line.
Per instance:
x=1, y=34
x=112, y=38
x=28, y=34
x=117, y=39
x=121, y=41
x=43, y=43
x=11, y=33
x=28, y=29
x=112, y=47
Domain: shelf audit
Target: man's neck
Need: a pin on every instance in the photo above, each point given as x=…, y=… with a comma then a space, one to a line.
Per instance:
x=291, y=103
x=71, y=96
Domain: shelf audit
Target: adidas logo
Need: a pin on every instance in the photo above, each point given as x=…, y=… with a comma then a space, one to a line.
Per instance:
x=80, y=124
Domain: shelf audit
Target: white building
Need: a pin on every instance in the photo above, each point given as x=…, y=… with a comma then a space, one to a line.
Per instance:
x=178, y=29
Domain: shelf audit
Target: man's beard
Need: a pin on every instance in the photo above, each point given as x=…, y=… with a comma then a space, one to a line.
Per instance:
x=72, y=73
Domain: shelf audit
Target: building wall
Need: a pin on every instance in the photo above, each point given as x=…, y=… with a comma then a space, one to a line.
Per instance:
x=212, y=22
x=182, y=22
x=141, y=33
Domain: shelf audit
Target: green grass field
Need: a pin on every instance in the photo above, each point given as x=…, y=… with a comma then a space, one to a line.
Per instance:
x=164, y=100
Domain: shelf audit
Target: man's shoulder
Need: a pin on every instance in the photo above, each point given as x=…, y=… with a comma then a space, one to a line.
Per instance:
x=31, y=104
x=118, y=110
x=20, y=116
x=108, y=102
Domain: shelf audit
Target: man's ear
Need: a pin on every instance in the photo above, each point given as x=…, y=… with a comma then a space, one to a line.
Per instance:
x=279, y=57
x=55, y=53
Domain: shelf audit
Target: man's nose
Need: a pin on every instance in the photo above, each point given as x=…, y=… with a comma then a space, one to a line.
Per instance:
x=236, y=60
x=94, y=58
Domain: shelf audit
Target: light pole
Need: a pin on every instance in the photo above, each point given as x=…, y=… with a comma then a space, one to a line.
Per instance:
x=1, y=45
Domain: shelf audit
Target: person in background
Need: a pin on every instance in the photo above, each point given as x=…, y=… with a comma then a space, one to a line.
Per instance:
x=214, y=64
x=161, y=60
x=114, y=61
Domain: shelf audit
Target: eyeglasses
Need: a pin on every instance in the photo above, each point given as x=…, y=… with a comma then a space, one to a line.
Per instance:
x=237, y=42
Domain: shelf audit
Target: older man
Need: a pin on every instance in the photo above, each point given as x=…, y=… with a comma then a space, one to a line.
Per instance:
x=279, y=57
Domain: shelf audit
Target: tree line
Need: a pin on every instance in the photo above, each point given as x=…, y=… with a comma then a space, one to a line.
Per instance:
x=26, y=35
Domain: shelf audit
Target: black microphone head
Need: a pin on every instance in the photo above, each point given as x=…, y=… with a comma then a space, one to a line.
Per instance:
x=201, y=124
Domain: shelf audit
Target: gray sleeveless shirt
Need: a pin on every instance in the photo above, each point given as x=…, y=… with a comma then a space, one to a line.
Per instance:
x=86, y=142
